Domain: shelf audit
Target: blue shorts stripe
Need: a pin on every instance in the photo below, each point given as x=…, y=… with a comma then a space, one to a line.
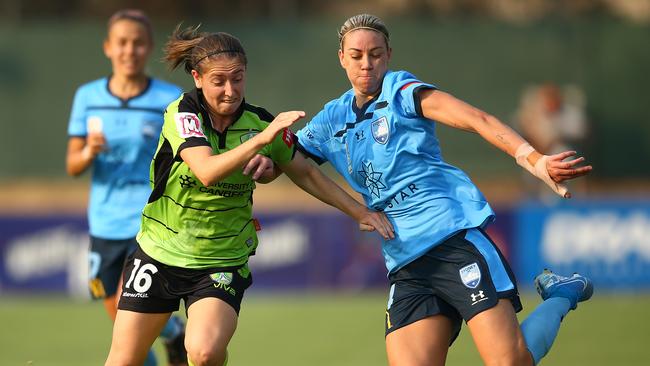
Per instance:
x=498, y=272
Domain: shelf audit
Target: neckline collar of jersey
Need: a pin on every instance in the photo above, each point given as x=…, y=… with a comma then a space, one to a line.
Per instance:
x=197, y=94
x=360, y=112
x=126, y=101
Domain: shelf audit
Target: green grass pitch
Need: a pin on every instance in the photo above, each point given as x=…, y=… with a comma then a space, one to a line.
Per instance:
x=319, y=329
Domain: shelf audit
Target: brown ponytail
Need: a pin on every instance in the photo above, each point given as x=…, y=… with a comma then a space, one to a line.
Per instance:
x=191, y=48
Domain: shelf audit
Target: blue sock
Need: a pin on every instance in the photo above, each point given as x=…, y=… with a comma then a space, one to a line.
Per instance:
x=151, y=359
x=541, y=326
x=173, y=328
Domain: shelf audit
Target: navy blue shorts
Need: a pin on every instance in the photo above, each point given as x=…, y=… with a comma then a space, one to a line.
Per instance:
x=150, y=286
x=106, y=261
x=458, y=278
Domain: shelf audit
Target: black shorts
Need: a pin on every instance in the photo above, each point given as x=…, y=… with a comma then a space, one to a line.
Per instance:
x=106, y=262
x=459, y=278
x=152, y=287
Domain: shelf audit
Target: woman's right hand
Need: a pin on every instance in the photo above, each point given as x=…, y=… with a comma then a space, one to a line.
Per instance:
x=82, y=151
x=281, y=122
x=95, y=143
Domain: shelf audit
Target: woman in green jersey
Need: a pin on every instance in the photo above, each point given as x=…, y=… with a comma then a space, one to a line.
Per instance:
x=197, y=229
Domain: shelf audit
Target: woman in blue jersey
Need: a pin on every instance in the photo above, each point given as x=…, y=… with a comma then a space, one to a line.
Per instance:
x=114, y=127
x=443, y=268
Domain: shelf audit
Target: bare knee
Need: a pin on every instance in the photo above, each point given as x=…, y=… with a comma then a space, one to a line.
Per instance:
x=206, y=356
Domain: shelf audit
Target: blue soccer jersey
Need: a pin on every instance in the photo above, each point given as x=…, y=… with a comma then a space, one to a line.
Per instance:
x=390, y=154
x=120, y=183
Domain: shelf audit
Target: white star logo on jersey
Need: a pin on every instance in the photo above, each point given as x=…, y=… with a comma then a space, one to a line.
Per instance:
x=371, y=179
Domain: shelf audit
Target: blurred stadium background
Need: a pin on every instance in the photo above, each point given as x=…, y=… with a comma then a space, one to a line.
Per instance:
x=320, y=286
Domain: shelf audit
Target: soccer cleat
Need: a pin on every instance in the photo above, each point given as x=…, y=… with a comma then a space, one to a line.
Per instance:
x=176, y=353
x=576, y=288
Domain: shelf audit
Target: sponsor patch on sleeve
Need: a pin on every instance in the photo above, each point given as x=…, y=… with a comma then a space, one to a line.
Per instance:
x=188, y=125
x=287, y=137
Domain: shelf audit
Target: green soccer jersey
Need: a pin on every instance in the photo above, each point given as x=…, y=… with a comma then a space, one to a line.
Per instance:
x=186, y=224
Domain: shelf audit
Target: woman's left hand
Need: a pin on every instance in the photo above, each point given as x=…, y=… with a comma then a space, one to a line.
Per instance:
x=262, y=169
x=560, y=170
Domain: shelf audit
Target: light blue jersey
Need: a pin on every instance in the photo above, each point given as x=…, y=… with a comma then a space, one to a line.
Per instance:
x=390, y=154
x=120, y=180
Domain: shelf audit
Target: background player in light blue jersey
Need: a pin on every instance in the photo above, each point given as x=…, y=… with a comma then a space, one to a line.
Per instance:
x=114, y=127
x=380, y=136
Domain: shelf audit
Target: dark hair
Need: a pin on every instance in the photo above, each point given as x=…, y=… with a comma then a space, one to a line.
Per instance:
x=131, y=14
x=363, y=21
x=191, y=47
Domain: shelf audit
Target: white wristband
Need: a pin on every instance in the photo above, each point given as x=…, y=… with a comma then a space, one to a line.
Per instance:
x=539, y=169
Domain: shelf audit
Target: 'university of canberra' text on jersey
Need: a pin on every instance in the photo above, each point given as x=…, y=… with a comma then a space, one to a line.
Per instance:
x=390, y=154
x=120, y=178
x=187, y=224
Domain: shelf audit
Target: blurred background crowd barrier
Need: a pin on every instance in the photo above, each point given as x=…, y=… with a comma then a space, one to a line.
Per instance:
x=493, y=54
x=324, y=251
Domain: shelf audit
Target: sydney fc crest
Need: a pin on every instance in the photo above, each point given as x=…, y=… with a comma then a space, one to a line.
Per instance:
x=380, y=130
x=470, y=275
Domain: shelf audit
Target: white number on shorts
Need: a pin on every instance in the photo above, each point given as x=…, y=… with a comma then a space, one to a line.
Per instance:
x=140, y=276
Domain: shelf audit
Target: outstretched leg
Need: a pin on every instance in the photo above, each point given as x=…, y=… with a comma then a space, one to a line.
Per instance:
x=560, y=294
x=501, y=341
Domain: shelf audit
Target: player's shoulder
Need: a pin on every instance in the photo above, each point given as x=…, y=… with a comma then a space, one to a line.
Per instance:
x=339, y=106
x=395, y=80
x=343, y=101
x=187, y=102
x=165, y=87
x=331, y=117
x=164, y=91
x=93, y=86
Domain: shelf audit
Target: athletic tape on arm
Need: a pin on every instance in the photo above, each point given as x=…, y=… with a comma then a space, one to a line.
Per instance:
x=539, y=169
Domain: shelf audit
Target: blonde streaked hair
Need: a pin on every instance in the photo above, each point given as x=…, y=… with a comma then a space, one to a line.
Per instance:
x=363, y=21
